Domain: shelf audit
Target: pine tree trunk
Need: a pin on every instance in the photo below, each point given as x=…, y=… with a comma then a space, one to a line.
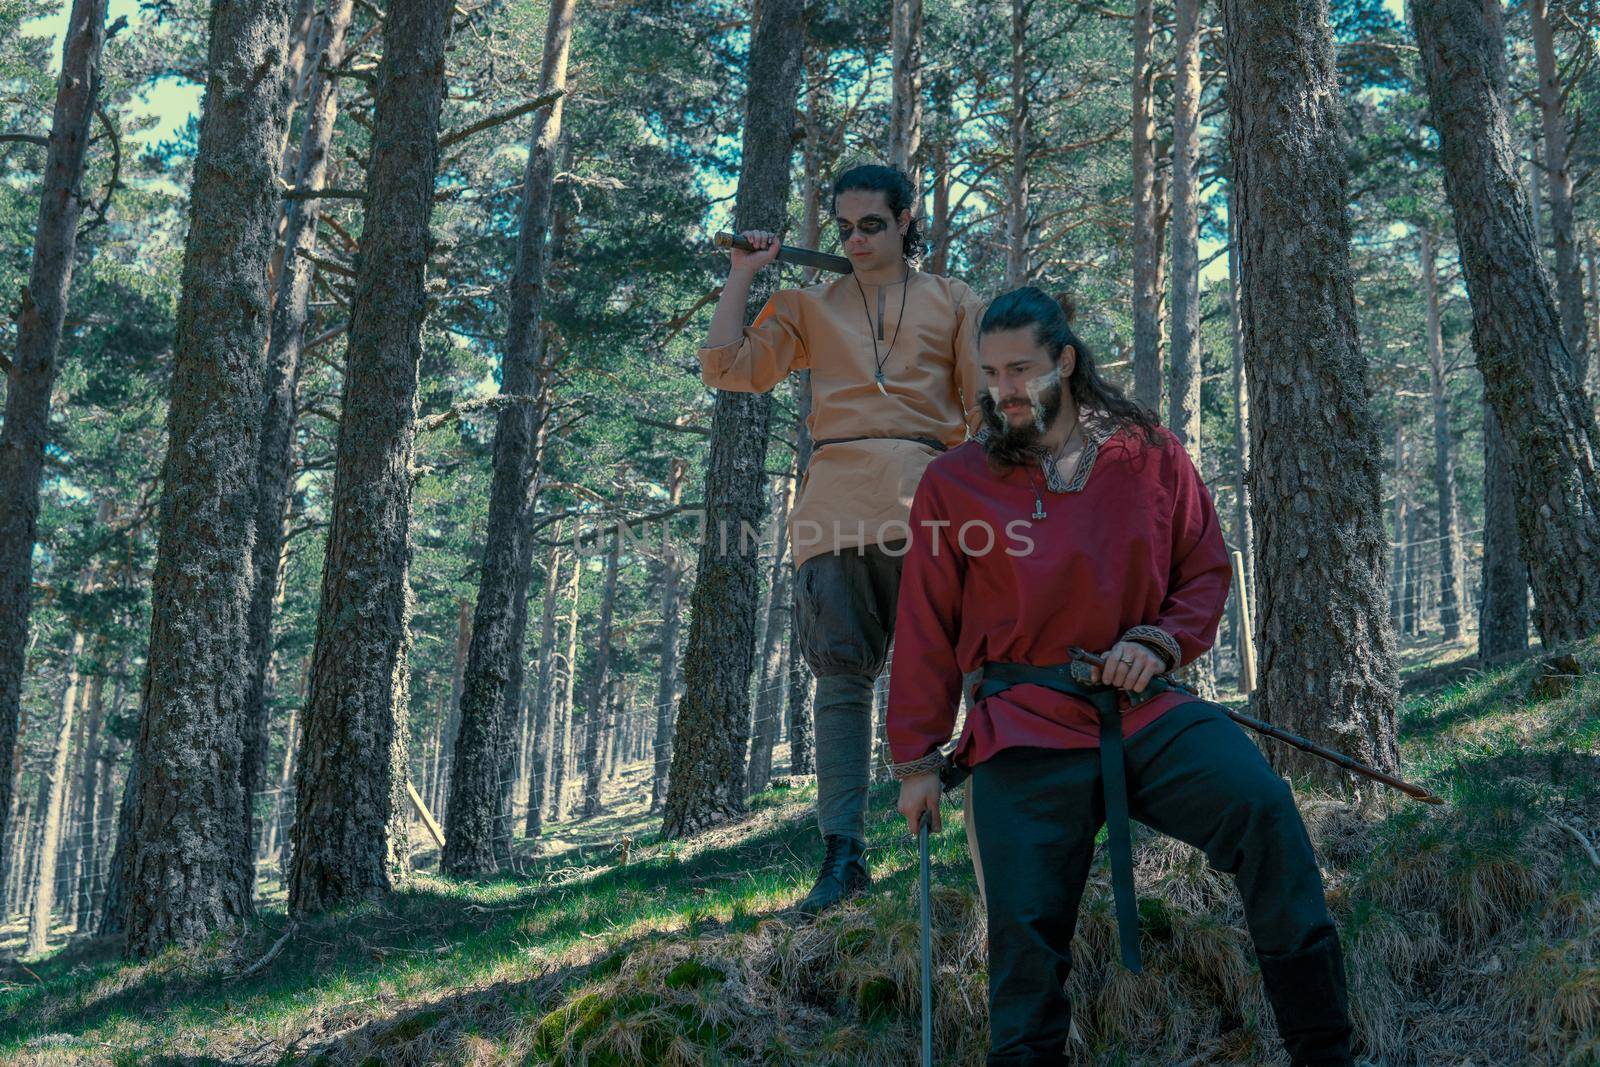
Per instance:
x=769, y=698
x=1549, y=427
x=801, y=753
x=1444, y=469
x=274, y=467
x=1185, y=368
x=939, y=222
x=1411, y=593
x=55, y=806
x=540, y=701
x=191, y=865
x=667, y=682
x=119, y=875
x=1147, y=217
x=453, y=711
x=274, y=837
x=349, y=829
x=1017, y=179
x=477, y=830
x=594, y=705
x=32, y=372
x=1244, y=531
x=89, y=792
x=562, y=732
x=905, y=125
x=1558, y=187
x=1503, y=601
x=1328, y=667
x=1397, y=575
x=1594, y=299
x=706, y=784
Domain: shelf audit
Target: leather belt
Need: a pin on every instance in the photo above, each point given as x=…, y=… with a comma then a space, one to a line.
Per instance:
x=938, y=446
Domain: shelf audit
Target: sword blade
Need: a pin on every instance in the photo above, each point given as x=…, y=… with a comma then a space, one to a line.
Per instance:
x=927, y=946
x=1160, y=683
x=800, y=257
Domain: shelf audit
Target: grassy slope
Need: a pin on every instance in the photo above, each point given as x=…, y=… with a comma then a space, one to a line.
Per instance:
x=1471, y=931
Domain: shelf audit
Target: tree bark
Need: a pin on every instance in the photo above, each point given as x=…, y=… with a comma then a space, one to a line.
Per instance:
x=350, y=788
x=905, y=127
x=540, y=701
x=32, y=374
x=561, y=734
x=769, y=698
x=1444, y=469
x=1148, y=213
x=89, y=788
x=1017, y=179
x=1503, y=601
x=191, y=864
x=1312, y=461
x=667, y=684
x=479, y=810
x=1185, y=366
x=1548, y=426
x=441, y=782
x=939, y=224
x=55, y=796
x=274, y=466
x=1244, y=531
x=707, y=779
x=594, y=705
x=1558, y=188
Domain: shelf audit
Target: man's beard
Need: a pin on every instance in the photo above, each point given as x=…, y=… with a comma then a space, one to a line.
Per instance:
x=1014, y=446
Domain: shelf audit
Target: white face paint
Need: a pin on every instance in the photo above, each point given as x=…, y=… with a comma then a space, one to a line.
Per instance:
x=1036, y=388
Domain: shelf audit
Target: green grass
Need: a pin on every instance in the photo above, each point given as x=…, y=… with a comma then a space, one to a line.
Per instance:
x=1470, y=930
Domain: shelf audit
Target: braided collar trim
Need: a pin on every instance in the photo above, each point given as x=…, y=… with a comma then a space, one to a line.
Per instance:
x=1097, y=431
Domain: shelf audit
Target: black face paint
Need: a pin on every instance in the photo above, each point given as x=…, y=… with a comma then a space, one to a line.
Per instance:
x=871, y=226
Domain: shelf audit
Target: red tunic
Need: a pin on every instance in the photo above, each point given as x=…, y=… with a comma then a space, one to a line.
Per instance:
x=1137, y=545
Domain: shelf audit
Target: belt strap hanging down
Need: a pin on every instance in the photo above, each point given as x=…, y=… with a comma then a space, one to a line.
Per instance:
x=998, y=677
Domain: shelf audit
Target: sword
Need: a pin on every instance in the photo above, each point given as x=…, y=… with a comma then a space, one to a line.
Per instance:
x=802, y=257
x=927, y=946
x=1160, y=684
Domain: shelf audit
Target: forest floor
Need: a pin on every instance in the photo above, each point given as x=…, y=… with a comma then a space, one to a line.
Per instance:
x=1472, y=933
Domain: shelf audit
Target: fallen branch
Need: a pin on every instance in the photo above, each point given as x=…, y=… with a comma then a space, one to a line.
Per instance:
x=272, y=953
x=1594, y=857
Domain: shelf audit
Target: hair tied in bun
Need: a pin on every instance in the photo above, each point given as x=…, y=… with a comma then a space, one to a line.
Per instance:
x=1069, y=306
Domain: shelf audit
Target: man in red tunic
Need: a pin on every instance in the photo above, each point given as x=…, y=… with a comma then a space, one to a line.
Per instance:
x=1072, y=520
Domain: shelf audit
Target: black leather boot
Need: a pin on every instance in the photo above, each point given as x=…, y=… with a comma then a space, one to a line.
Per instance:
x=1308, y=997
x=844, y=874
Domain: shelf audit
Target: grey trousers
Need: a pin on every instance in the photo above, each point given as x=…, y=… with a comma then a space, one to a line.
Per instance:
x=844, y=607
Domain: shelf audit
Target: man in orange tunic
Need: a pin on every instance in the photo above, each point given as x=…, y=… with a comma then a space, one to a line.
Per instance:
x=894, y=383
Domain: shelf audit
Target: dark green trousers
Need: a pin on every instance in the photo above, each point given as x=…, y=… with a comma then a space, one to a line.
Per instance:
x=1192, y=774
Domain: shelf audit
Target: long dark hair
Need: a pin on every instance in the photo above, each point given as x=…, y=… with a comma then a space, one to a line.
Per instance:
x=1051, y=319
x=897, y=189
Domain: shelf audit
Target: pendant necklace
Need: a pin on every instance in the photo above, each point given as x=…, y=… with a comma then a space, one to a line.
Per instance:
x=871, y=333
x=1038, y=497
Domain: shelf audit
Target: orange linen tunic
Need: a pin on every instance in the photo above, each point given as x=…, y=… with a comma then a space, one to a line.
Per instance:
x=860, y=493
